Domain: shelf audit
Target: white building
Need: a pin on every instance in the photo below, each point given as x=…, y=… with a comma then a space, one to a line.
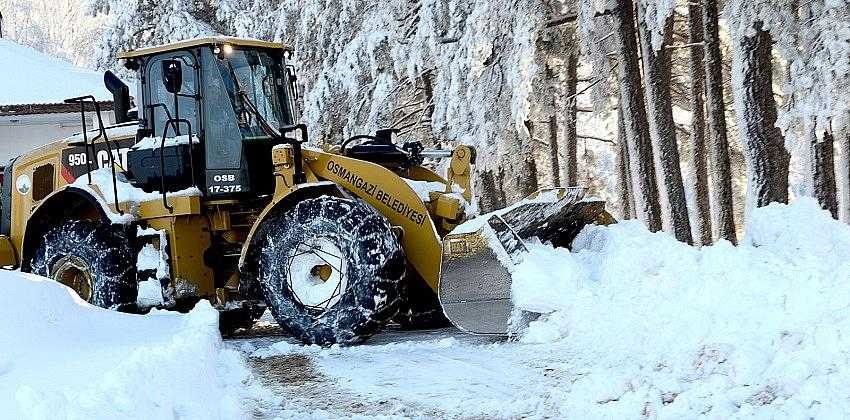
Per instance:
x=33, y=86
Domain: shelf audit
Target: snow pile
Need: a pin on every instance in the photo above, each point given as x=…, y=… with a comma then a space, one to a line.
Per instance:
x=677, y=330
x=48, y=79
x=61, y=358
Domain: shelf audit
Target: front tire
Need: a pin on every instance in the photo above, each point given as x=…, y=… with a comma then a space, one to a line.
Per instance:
x=330, y=269
x=420, y=307
x=94, y=259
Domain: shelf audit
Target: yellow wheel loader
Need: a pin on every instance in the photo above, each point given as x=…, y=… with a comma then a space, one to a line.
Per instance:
x=208, y=189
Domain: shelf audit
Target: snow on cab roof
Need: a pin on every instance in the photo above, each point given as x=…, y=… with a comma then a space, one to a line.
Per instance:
x=218, y=40
x=32, y=77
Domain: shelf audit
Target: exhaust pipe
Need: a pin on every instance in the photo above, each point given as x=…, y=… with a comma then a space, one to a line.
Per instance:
x=120, y=96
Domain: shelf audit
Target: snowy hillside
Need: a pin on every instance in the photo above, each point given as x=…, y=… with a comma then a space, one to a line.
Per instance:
x=32, y=77
x=61, y=358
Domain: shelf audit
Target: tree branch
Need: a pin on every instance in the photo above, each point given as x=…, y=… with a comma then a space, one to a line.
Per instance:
x=560, y=20
x=604, y=140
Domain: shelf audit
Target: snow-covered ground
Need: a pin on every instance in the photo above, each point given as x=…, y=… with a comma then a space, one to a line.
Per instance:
x=637, y=325
x=61, y=358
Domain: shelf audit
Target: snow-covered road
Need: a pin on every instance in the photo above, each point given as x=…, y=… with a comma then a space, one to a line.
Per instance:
x=433, y=374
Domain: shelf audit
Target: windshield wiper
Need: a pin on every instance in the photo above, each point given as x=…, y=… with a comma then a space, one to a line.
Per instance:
x=270, y=130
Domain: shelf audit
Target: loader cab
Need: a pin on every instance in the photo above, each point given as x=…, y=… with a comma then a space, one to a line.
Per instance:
x=195, y=105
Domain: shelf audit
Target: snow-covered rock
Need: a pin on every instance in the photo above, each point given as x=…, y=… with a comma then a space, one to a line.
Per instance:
x=61, y=358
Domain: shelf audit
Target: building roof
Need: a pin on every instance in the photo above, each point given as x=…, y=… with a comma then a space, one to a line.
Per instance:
x=220, y=40
x=58, y=108
x=30, y=77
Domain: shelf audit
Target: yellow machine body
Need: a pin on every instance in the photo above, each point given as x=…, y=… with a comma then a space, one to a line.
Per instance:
x=208, y=241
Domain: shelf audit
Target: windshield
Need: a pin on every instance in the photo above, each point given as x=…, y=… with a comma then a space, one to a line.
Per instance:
x=261, y=77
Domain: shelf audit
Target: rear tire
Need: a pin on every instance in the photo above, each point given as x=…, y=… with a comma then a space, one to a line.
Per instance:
x=94, y=259
x=330, y=270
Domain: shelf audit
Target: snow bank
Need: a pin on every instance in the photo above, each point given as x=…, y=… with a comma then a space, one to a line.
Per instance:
x=61, y=358
x=762, y=328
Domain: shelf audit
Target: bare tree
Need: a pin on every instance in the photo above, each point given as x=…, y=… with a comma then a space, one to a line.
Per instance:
x=718, y=144
x=644, y=185
x=764, y=146
x=823, y=170
x=702, y=221
x=662, y=129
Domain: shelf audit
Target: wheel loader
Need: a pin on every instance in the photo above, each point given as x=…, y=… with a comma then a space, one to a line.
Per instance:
x=209, y=189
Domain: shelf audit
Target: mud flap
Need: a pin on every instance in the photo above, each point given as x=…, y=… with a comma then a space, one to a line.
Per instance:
x=8, y=256
x=475, y=281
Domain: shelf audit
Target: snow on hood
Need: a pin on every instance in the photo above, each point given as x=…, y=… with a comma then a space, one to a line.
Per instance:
x=32, y=77
x=129, y=196
x=63, y=358
x=759, y=328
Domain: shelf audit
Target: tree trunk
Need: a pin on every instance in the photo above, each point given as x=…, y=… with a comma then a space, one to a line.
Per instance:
x=843, y=165
x=823, y=171
x=624, y=191
x=718, y=144
x=526, y=180
x=554, y=151
x=764, y=147
x=662, y=131
x=644, y=185
x=702, y=221
x=570, y=131
x=489, y=196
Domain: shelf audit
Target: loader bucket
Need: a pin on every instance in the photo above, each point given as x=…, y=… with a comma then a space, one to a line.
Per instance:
x=478, y=257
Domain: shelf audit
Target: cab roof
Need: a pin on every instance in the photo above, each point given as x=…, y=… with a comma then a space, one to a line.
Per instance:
x=220, y=40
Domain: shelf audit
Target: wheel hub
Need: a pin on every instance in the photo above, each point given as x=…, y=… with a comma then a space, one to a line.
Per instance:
x=73, y=272
x=316, y=273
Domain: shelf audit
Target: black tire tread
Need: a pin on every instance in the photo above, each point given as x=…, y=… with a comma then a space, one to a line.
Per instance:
x=106, y=248
x=376, y=267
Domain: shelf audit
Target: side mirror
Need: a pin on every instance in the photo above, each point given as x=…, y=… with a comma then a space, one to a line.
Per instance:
x=172, y=75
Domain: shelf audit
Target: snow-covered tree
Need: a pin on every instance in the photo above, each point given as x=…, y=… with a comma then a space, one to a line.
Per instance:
x=140, y=23
x=56, y=27
x=823, y=171
x=718, y=144
x=654, y=22
x=752, y=81
x=641, y=161
x=696, y=58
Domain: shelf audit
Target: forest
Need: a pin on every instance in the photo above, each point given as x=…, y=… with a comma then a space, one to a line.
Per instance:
x=683, y=115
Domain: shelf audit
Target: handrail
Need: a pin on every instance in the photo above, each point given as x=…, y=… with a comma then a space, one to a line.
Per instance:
x=175, y=124
x=102, y=134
